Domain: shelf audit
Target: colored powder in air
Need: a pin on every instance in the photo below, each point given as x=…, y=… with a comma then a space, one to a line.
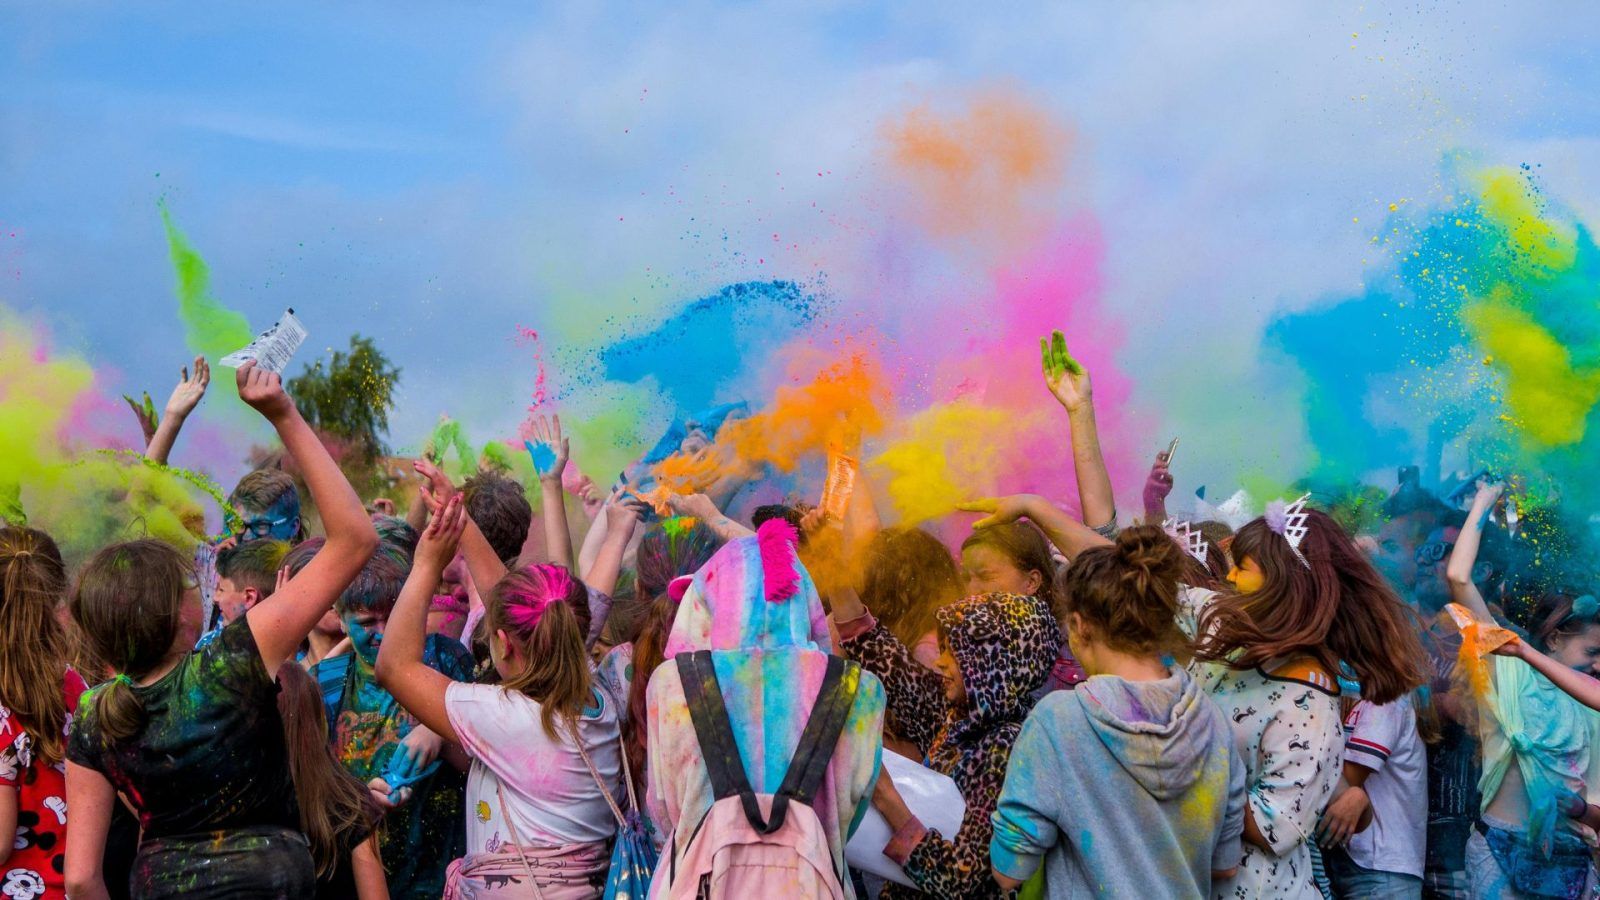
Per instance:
x=1548, y=398
x=714, y=344
x=989, y=171
x=942, y=456
x=209, y=328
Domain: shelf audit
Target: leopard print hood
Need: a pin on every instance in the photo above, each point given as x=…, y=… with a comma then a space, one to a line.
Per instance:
x=1005, y=645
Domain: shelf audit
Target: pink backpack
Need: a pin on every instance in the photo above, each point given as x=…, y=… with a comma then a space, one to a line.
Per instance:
x=753, y=845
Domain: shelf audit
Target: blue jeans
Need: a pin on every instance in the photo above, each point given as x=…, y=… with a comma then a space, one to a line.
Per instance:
x=1352, y=882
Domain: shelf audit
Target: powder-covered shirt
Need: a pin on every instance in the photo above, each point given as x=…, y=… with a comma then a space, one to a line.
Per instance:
x=39, y=847
x=1291, y=735
x=210, y=755
x=540, y=783
x=1383, y=738
x=366, y=726
x=1123, y=789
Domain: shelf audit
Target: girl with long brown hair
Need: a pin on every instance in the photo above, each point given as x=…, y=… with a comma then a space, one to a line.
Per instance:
x=38, y=693
x=544, y=742
x=1304, y=600
x=192, y=738
x=337, y=812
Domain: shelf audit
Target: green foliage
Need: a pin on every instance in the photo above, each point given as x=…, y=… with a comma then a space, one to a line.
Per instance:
x=349, y=398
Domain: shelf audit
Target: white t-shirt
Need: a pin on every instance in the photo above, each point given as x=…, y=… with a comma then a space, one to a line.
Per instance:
x=1384, y=738
x=549, y=793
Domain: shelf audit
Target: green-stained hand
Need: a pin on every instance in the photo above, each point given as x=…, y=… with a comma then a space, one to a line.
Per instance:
x=1067, y=379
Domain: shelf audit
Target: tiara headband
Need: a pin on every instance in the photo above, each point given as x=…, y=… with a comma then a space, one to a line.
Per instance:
x=1192, y=541
x=1289, y=522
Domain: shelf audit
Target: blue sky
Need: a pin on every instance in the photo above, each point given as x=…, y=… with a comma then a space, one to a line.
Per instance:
x=435, y=175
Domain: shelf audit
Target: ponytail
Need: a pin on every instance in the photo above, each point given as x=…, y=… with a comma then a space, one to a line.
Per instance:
x=118, y=710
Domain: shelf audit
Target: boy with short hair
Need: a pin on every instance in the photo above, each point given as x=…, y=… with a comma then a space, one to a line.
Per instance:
x=269, y=506
x=247, y=573
x=500, y=509
x=384, y=746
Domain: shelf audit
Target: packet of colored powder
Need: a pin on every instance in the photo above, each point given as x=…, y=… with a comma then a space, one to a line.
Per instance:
x=272, y=349
x=840, y=483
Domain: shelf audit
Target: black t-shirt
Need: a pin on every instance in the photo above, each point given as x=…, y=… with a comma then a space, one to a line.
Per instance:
x=210, y=755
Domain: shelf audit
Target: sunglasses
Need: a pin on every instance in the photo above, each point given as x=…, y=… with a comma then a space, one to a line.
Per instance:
x=261, y=527
x=1431, y=552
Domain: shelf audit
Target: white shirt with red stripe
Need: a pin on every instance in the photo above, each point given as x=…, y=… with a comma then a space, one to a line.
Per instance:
x=1384, y=738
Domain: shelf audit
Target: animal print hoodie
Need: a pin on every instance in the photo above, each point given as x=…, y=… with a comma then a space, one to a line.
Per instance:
x=1005, y=646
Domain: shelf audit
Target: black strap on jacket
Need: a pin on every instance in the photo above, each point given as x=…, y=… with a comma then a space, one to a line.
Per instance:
x=809, y=765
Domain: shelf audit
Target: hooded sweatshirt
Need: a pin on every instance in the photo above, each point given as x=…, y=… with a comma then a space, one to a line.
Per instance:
x=1005, y=646
x=1125, y=788
x=755, y=607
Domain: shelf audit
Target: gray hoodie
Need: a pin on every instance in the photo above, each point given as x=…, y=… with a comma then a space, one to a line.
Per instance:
x=1125, y=789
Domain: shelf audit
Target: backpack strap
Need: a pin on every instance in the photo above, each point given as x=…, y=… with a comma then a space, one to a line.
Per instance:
x=809, y=765
x=835, y=699
x=714, y=731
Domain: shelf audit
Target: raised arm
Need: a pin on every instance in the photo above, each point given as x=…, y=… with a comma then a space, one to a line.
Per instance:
x=550, y=451
x=401, y=670
x=1068, y=380
x=185, y=397
x=622, y=518
x=703, y=508
x=1069, y=535
x=281, y=622
x=1465, y=555
x=482, y=562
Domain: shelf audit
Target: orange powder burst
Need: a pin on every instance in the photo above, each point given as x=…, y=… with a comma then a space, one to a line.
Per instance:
x=989, y=171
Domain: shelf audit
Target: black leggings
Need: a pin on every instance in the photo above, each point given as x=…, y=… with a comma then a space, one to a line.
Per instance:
x=261, y=863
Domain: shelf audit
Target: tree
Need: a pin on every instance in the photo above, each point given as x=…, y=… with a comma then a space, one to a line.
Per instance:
x=349, y=398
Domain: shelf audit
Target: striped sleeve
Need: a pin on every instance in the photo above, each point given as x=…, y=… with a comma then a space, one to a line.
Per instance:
x=1371, y=730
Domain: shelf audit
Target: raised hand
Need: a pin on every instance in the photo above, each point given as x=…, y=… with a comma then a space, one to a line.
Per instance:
x=1067, y=379
x=548, y=448
x=1157, y=485
x=186, y=396
x=1001, y=509
x=437, y=489
x=146, y=414
x=437, y=546
x=263, y=392
x=697, y=505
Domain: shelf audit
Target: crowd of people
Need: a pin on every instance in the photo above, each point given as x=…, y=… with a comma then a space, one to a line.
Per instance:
x=462, y=702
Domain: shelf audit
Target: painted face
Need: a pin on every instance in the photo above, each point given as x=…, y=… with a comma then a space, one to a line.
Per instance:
x=987, y=570
x=955, y=687
x=1432, y=590
x=1246, y=577
x=280, y=521
x=366, y=633
x=232, y=601
x=447, y=622
x=1579, y=651
x=454, y=581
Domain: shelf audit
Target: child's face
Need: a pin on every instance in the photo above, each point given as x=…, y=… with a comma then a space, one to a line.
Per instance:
x=1246, y=577
x=1580, y=651
x=955, y=687
x=366, y=633
x=987, y=571
x=232, y=600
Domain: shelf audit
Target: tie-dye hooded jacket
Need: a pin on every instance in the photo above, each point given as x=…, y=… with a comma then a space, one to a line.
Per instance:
x=1005, y=645
x=757, y=609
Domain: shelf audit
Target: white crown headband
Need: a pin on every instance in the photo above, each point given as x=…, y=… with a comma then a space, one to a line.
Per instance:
x=1192, y=541
x=1290, y=522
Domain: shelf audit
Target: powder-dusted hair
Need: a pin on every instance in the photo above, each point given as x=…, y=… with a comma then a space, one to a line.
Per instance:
x=1333, y=607
x=253, y=564
x=501, y=511
x=35, y=647
x=127, y=602
x=1028, y=549
x=1127, y=593
x=907, y=574
x=260, y=489
x=536, y=606
x=376, y=587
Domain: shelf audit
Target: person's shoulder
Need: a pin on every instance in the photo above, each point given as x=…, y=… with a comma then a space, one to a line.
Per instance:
x=446, y=654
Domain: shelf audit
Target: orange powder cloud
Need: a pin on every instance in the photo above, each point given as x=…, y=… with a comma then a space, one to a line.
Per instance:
x=992, y=169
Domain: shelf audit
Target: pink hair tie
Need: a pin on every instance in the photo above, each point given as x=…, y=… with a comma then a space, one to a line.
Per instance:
x=777, y=540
